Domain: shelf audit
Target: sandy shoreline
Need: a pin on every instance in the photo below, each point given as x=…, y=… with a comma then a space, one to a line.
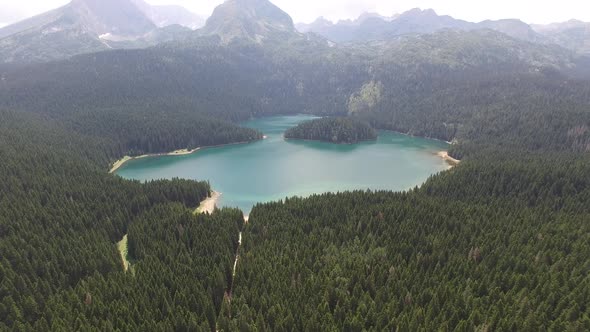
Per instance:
x=183, y=152
x=450, y=160
x=119, y=163
x=209, y=204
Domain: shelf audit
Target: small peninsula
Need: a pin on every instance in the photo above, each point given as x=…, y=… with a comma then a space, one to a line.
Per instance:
x=334, y=130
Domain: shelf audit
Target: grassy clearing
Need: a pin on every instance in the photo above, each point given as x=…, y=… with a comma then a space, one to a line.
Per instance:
x=123, y=248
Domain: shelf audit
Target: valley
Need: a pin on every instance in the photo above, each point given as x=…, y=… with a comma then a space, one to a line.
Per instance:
x=274, y=168
x=309, y=235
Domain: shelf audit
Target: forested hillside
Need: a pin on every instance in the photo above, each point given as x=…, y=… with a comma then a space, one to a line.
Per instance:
x=131, y=125
x=136, y=131
x=492, y=241
x=61, y=215
x=477, y=80
x=333, y=130
x=533, y=111
x=183, y=269
x=495, y=244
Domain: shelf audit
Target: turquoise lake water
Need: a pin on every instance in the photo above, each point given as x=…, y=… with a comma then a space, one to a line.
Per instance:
x=274, y=168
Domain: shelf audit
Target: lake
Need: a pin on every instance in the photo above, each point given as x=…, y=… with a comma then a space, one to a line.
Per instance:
x=274, y=168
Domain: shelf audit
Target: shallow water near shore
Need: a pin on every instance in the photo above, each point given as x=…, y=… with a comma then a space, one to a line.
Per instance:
x=274, y=168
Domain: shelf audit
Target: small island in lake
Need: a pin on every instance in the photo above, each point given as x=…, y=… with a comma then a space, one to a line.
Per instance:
x=334, y=130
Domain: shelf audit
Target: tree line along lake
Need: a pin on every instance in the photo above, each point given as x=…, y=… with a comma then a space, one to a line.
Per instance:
x=275, y=168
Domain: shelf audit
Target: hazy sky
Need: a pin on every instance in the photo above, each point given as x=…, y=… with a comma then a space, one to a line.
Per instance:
x=530, y=11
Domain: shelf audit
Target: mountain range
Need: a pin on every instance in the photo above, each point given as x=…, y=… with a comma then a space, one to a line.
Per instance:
x=574, y=35
x=166, y=15
x=86, y=26
x=254, y=20
x=252, y=47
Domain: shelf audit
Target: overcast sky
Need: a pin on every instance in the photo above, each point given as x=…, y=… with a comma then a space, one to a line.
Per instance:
x=530, y=11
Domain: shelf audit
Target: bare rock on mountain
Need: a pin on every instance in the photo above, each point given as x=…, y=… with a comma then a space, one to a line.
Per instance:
x=255, y=20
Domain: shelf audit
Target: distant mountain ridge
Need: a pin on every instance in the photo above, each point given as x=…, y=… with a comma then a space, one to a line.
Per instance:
x=513, y=28
x=94, y=16
x=163, y=15
x=322, y=23
x=73, y=29
x=572, y=34
x=86, y=26
x=255, y=20
x=415, y=21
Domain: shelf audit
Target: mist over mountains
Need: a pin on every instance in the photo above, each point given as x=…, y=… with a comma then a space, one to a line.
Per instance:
x=370, y=27
x=86, y=26
x=166, y=15
x=248, y=19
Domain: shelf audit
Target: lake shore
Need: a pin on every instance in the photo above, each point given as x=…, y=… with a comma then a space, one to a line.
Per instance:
x=266, y=166
x=209, y=204
x=119, y=163
x=450, y=160
x=183, y=152
x=414, y=136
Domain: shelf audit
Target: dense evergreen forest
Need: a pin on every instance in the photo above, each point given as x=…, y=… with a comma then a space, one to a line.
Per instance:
x=498, y=243
x=60, y=217
x=334, y=130
x=478, y=89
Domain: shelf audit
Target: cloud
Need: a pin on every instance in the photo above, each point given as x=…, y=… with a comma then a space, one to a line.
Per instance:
x=530, y=11
x=13, y=10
